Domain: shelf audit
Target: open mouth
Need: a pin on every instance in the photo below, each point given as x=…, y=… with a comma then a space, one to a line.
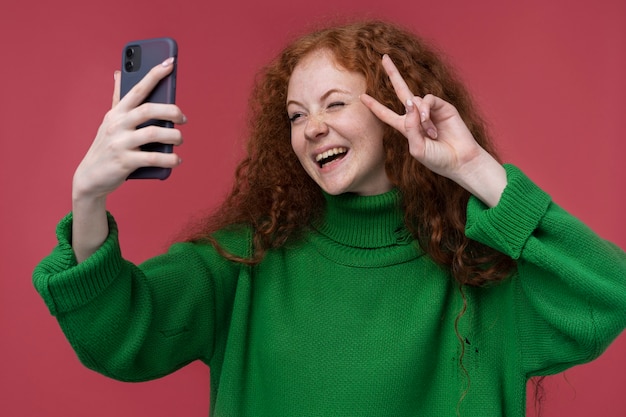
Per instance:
x=330, y=156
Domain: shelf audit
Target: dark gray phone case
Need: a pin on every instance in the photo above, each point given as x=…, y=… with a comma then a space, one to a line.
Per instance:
x=145, y=55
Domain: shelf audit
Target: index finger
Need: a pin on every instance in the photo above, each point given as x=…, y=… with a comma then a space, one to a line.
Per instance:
x=142, y=89
x=399, y=85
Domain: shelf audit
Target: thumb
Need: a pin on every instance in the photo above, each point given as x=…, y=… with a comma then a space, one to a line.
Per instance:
x=412, y=125
x=116, y=90
x=425, y=124
x=412, y=122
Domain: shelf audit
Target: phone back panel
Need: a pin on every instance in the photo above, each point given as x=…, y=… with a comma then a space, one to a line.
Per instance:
x=138, y=58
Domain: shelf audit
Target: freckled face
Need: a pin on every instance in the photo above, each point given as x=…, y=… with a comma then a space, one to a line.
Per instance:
x=336, y=138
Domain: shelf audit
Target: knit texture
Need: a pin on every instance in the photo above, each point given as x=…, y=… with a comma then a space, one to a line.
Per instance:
x=354, y=319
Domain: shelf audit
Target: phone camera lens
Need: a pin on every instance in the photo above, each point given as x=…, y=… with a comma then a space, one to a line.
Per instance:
x=130, y=52
x=129, y=66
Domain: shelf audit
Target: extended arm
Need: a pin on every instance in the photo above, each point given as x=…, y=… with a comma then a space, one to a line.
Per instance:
x=129, y=322
x=115, y=153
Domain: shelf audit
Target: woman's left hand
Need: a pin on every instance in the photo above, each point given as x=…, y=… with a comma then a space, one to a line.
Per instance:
x=439, y=139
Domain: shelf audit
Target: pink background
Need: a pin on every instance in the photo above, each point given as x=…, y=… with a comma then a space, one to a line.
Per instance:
x=549, y=77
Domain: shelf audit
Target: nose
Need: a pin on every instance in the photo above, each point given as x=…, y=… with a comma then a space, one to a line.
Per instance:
x=315, y=127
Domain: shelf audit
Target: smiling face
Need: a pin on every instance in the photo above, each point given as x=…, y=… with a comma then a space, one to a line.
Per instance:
x=338, y=140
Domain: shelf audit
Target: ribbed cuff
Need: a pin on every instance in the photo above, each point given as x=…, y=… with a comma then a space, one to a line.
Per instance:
x=66, y=285
x=507, y=226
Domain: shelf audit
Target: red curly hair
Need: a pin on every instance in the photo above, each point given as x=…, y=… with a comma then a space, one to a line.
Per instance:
x=277, y=199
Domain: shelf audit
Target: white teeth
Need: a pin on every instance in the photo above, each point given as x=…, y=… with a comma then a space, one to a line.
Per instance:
x=330, y=152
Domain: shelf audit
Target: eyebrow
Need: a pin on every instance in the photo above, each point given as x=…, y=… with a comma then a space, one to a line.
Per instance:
x=323, y=97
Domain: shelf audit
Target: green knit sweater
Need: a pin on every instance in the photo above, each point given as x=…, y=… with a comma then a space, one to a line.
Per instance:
x=353, y=319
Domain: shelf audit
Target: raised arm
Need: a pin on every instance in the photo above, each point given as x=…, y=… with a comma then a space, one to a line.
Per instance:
x=439, y=139
x=115, y=153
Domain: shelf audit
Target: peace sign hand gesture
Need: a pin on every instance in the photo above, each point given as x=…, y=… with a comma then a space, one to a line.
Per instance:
x=440, y=140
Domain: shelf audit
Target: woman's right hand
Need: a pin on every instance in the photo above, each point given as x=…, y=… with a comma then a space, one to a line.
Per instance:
x=115, y=153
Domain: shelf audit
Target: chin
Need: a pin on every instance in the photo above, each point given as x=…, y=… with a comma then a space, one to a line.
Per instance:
x=334, y=190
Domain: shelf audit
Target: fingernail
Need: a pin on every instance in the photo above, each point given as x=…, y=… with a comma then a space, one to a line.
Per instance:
x=432, y=133
x=409, y=106
x=169, y=61
x=423, y=118
x=115, y=75
x=184, y=119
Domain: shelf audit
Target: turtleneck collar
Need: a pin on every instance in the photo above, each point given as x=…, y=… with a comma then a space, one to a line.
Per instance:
x=364, y=221
x=364, y=232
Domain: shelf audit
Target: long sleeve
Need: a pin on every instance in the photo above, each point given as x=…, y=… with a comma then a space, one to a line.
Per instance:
x=570, y=285
x=131, y=322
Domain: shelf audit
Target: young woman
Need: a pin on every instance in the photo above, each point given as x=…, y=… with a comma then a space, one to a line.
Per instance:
x=374, y=257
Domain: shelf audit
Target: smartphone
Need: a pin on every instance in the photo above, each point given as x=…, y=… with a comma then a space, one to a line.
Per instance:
x=138, y=58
